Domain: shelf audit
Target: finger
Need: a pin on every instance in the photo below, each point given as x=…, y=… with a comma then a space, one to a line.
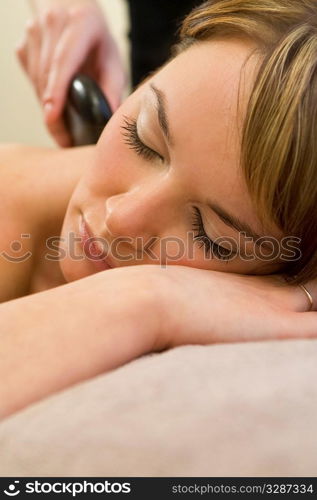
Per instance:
x=52, y=24
x=304, y=325
x=33, y=52
x=282, y=325
x=58, y=130
x=70, y=53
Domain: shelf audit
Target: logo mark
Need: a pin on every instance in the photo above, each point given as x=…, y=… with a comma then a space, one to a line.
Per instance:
x=12, y=491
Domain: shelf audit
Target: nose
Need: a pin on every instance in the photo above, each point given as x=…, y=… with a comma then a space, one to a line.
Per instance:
x=144, y=210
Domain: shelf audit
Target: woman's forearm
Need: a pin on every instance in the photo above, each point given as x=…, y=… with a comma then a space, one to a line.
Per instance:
x=53, y=339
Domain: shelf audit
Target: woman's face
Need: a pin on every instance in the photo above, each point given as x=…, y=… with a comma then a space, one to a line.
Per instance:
x=165, y=186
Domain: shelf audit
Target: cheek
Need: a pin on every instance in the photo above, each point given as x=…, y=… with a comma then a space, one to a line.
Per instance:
x=110, y=154
x=112, y=166
x=113, y=162
x=113, y=157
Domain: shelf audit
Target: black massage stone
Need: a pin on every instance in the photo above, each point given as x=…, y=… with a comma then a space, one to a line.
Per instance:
x=87, y=111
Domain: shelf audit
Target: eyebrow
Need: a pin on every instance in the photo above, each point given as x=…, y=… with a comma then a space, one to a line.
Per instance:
x=161, y=113
x=238, y=225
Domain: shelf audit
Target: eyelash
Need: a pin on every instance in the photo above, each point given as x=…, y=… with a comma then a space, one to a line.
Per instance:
x=211, y=247
x=132, y=139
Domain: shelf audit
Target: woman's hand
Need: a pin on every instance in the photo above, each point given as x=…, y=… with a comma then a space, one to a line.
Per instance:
x=62, y=41
x=205, y=307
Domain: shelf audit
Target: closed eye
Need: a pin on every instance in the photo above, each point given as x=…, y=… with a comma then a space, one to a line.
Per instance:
x=211, y=248
x=132, y=139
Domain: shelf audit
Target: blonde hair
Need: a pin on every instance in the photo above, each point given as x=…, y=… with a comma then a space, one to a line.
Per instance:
x=279, y=140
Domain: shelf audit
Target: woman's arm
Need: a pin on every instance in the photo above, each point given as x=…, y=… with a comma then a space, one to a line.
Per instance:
x=53, y=339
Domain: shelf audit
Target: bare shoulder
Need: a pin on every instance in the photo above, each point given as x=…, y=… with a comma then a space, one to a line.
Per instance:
x=35, y=184
x=40, y=175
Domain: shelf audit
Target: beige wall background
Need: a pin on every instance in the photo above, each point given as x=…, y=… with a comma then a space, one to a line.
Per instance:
x=20, y=112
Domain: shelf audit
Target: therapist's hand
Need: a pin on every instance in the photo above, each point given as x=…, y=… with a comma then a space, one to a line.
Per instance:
x=62, y=41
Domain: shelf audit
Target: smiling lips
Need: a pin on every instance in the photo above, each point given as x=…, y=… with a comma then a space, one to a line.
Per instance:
x=93, y=248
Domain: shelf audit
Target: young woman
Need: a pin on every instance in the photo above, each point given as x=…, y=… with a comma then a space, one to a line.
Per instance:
x=208, y=167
